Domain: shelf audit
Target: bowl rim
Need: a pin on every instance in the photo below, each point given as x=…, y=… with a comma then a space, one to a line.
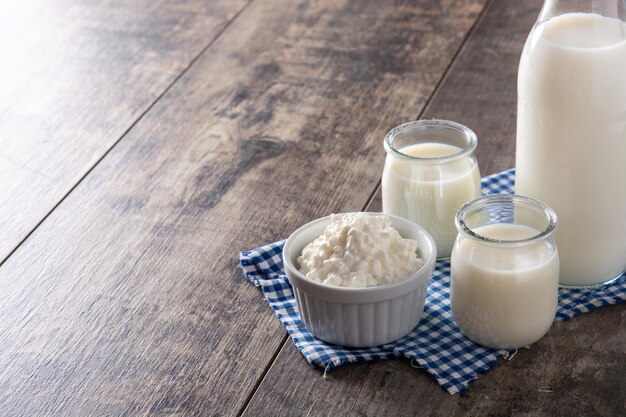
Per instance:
x=364, y=294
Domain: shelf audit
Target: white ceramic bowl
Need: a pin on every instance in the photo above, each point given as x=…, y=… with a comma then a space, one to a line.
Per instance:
x=360, y=317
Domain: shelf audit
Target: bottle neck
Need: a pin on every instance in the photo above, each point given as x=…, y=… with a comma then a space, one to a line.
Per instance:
x=608, y=8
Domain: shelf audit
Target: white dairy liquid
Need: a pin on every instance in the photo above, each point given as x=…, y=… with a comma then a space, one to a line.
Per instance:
x=504, y=297
x=430, y=194
x=571, y=139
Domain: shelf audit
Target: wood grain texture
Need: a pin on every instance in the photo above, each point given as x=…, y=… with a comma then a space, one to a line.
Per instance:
x=480, y=90
x=126, y=300
x=559, y=376
x=75, y=76
x=579, y=368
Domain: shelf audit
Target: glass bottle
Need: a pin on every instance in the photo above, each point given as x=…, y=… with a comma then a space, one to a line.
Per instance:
x=504, y=271
x=571, y=133
x=430, y=171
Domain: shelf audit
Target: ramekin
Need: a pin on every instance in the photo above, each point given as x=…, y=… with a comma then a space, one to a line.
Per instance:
x=360, y=317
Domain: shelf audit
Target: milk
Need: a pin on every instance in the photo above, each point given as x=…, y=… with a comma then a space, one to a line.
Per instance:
x=504, y=297
x=429, y=194
x=571, y=139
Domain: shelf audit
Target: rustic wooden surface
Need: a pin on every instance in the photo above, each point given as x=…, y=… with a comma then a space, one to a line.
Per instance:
x=152, y=141
x=75, y=76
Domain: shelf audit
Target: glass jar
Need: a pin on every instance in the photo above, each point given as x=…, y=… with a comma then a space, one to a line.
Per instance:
x=504, y=271
x=571, y=132
x=430, y=171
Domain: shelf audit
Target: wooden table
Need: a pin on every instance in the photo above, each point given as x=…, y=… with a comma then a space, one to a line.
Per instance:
x=144, y=143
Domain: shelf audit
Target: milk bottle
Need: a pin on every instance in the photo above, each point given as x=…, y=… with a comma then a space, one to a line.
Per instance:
x=571, y=134
x=430, y=171
x=504, y=271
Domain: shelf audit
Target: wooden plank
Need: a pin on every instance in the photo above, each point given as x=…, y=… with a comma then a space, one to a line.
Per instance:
x=480, y=90
x=577, y=369
x=75, y=76
x=562, y=375
x=127, y=300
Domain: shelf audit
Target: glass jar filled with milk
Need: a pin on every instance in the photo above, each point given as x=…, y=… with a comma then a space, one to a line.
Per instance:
x=504, y=271
x=430, y=171
x=571, y=133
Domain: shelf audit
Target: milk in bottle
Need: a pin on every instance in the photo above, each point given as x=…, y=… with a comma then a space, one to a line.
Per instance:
x=430, y=171
x=571, y=138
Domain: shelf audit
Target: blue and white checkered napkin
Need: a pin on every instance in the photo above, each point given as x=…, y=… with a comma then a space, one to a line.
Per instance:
x=436, y=344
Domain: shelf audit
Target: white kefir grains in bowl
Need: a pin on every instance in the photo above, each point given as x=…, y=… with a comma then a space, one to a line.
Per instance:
x=359, y=250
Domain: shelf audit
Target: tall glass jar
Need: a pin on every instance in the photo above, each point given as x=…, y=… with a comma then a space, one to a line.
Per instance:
x=504, y=271
x=571, y=132
x=430, y=171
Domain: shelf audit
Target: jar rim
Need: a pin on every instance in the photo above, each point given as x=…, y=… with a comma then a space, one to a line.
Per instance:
x=457, y=128
x=474, y=206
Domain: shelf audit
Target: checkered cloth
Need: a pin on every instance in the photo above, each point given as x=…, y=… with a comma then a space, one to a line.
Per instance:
x=436, y=344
